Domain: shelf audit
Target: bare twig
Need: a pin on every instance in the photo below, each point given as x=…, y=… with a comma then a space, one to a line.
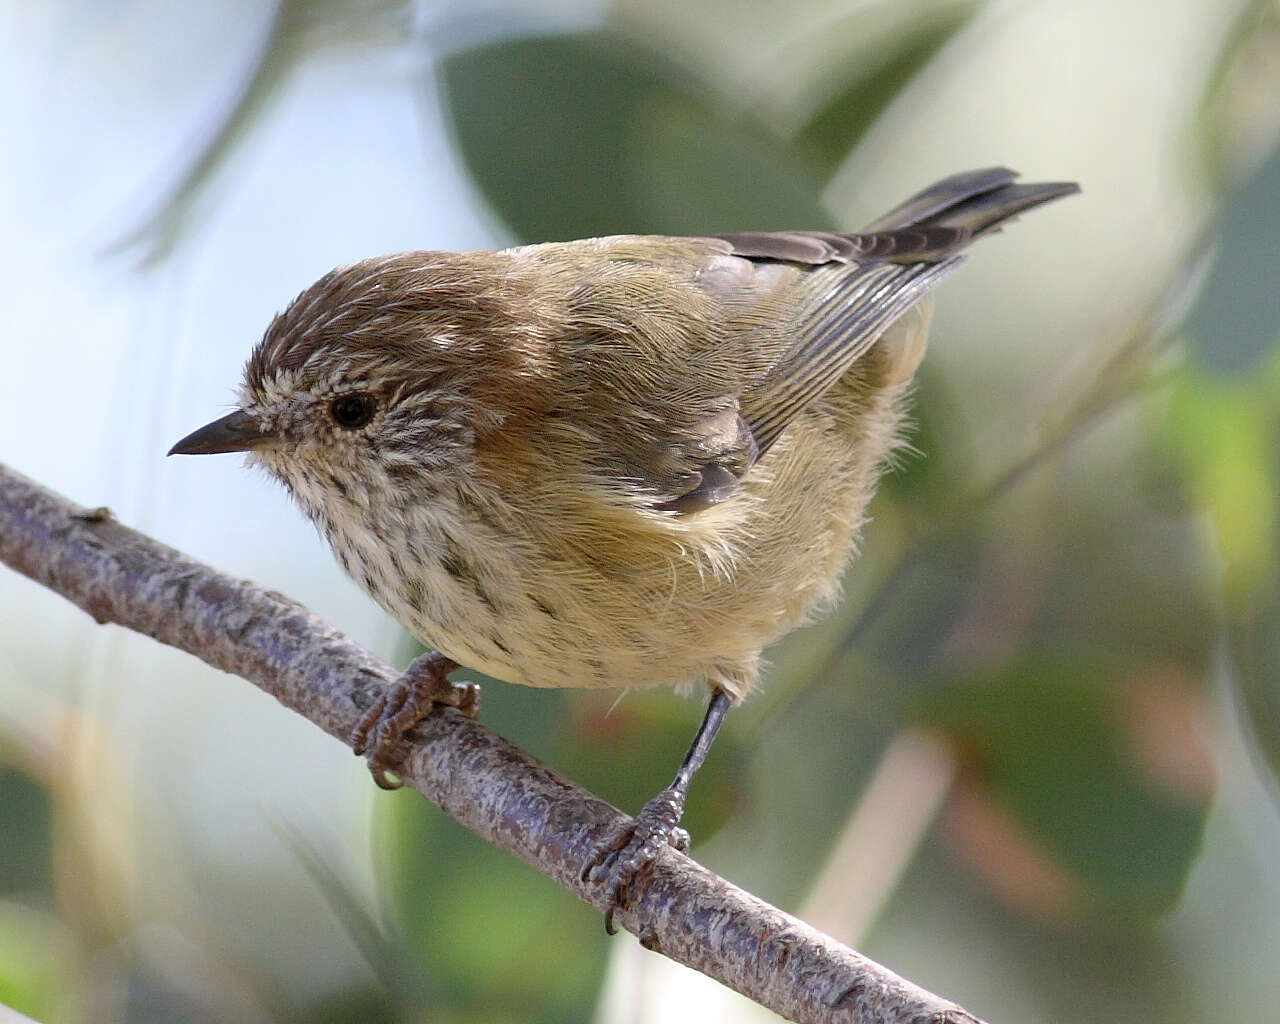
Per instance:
x=493, y=788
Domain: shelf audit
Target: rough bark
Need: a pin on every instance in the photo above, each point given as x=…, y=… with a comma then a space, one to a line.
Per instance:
x=492, y=787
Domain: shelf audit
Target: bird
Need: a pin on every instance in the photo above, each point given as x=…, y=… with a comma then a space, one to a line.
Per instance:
x=614, y=462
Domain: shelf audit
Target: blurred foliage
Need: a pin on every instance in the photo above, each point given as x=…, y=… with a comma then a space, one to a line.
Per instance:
x=1051, y=742
x=1222, y=431
x=1224, y=434
x=1239, y=120
x=26, y=861
x=33, y=962
x=32, y=940
x=577, y=135
x=831, y=132
x=500, y=941
x=593, y=134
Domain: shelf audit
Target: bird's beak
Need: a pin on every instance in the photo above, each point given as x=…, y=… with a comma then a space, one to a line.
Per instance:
x=235, y=432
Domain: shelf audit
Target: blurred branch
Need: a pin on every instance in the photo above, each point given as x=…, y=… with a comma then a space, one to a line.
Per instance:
x=296, y=28
x=492, y=787
x=155, y=235
x=899, y=806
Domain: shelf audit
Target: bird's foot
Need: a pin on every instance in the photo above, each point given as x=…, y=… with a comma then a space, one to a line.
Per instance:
x=634, y=847
x=424, y=686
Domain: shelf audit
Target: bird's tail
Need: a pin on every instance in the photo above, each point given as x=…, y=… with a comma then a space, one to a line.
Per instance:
x=930, y=227
x=972, y=203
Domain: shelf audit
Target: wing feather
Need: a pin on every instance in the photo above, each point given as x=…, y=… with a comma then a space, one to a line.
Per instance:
x=849, y=289
x=833, y=337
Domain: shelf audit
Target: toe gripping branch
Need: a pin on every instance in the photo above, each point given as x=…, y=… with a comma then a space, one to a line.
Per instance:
x=626, y=854
x=424, y=686
x=620, y=858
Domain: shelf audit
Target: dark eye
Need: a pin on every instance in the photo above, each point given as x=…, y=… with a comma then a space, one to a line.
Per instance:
x=351, y=412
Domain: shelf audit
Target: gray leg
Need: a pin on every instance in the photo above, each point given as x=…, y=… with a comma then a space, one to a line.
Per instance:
x=658, y=823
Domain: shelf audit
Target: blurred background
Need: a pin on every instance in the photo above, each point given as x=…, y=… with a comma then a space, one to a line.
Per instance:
x=1030, y=764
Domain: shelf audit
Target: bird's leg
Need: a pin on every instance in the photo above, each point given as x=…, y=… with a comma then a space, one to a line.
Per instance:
x=658, y=823
x=406, y=702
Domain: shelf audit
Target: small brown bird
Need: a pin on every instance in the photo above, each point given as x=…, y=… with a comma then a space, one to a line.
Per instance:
x=616, y=462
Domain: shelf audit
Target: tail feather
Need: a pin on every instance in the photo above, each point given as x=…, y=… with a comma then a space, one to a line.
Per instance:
x=931, y=226
x=973, y=202
x=942, y=196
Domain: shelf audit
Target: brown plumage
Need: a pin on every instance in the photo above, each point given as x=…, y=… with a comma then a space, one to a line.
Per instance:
x=615, y=462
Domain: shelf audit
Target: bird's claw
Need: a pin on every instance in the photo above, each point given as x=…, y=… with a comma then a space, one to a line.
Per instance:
x=633, y=848
x=424, y=686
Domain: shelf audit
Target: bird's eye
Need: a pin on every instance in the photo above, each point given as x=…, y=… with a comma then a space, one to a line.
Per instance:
x=353, y=411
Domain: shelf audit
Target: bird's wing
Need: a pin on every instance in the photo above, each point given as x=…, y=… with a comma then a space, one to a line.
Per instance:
x=851, y=288
x=839, y=321
x=878, y=274
x=842, y=311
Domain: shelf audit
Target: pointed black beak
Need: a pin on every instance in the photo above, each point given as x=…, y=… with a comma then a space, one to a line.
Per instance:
x=235, y=432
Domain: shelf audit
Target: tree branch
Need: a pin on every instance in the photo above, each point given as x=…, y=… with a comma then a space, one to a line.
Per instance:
x=492, y=787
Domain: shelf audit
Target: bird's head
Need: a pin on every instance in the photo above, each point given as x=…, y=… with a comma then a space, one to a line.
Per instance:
x=382, y=372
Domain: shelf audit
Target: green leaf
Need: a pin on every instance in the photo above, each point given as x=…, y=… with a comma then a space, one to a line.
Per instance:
x=592, y=134
x=1223, y=435
x=26, y=821
x=1052, y=742
x=35, y=963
